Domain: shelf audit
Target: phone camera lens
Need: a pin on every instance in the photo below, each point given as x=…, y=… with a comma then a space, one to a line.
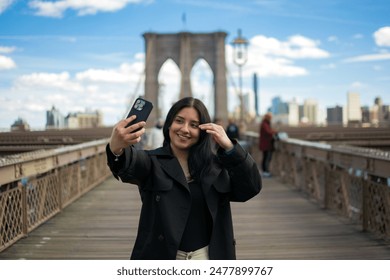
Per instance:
x=139, y=105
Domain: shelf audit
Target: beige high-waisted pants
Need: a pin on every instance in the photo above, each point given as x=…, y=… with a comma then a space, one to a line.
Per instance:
x=200, y=254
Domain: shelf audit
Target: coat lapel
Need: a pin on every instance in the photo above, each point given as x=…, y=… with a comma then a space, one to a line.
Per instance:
x=173, y=169
x=171, y=165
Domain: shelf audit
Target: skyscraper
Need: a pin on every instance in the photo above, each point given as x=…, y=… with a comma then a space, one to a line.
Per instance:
x=278, y=107
x=54, y=119
x=310, y=111
x=334, y=116
x=354, y=113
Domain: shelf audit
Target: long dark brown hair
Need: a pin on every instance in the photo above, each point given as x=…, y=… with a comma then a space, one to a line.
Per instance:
x=201, y=154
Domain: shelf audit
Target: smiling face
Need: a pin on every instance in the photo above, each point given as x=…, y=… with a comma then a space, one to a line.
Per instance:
x=184, y=131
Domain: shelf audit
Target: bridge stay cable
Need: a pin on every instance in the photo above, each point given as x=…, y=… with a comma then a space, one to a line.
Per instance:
x=133, y=95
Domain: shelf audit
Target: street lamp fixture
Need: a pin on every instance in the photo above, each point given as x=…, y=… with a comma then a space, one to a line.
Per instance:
x=240, y=57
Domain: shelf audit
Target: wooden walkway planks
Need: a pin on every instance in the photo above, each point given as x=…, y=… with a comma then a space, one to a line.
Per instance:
x=277, y=224
x=282, y=224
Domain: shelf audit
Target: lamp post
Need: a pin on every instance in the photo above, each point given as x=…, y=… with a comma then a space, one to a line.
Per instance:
x=240, y=57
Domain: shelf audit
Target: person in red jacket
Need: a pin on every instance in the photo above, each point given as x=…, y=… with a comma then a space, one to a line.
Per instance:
x=266, y=139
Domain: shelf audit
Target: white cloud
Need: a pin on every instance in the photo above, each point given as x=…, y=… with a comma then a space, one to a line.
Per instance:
x=123, y=74
x=48, y=81
x=83, y=7
x=273, y=67
x=382, y=39
x=107, y=90
x=6, y=63
x=382, y=36
x=4, y=4
x=7, y=49
x=369, y=57
x=269, y=56
x=140, y=56
x=296, y=47
x=357, y=85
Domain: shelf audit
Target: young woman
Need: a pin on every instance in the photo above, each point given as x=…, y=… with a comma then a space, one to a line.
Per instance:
x=185, y=187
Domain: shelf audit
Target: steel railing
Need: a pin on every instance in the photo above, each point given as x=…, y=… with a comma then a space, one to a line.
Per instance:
x=36, y=186
x=352, y=181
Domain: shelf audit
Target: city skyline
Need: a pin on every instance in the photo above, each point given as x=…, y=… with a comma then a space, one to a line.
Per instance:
x=288, y=112
x=81, y=54
x=321, y=114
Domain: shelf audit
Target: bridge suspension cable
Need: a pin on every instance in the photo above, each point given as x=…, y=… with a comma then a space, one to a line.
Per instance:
x=133, y=95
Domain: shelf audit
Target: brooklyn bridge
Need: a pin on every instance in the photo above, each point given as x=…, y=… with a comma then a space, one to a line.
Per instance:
x=329, y=199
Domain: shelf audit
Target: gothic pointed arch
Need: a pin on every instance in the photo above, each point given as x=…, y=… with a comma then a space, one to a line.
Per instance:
x=202, y=84
x=169, y=87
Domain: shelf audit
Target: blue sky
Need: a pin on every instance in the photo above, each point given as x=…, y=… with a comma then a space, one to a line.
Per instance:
x=78, y=54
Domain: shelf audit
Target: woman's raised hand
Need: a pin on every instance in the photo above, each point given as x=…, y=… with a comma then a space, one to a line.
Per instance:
x=219, y=135
x=123, y=136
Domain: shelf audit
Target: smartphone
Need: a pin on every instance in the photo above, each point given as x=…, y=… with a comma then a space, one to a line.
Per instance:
x=141, y=108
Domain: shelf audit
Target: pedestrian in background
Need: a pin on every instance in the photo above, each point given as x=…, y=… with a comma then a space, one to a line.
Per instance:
x=232, y=130
x=266, y=143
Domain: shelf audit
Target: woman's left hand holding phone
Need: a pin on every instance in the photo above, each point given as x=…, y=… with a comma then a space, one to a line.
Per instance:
x=122, y=136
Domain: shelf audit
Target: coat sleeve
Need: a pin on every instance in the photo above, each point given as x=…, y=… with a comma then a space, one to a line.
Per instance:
x=133, y=166
x=244, y=175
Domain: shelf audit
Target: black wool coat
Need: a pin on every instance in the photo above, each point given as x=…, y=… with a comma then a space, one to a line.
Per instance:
x=166, y=198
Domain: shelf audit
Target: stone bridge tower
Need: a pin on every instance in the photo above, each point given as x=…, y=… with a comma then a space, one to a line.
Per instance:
x=185, y=49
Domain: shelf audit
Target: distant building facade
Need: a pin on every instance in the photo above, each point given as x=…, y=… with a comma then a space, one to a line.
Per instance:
x=293, y=113
x=54, y=119
x=334, y=116
x=84, y=120
x=383, y=114
x=278, y=107
x=285, y=113
x=20, y=125
x=354, y=112
x=87, y=119
x=310, y=111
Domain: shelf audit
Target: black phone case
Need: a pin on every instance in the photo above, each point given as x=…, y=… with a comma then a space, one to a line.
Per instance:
x=141, y=108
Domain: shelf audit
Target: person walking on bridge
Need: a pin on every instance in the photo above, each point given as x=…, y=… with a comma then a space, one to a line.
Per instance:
x=266, y=143
x=185, y=186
